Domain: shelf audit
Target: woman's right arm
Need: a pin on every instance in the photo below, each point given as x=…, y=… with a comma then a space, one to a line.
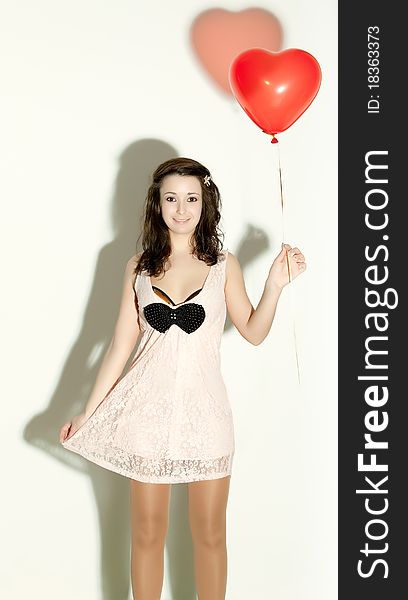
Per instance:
x=124, y=339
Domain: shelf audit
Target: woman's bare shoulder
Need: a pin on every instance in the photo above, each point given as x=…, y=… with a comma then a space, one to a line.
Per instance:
x=134, y=260
x=131, y=265
x=231, y=257
x=232, y=263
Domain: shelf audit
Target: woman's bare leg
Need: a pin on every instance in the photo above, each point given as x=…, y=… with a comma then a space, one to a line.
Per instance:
x=149, y=503
x=207, y=503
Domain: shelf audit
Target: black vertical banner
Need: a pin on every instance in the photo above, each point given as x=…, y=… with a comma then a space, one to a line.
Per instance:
x=373, y=268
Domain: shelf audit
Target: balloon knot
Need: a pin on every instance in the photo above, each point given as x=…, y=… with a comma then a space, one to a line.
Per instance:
x=274, y=140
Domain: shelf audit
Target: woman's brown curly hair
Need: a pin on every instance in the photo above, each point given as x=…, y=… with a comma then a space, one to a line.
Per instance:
x=206, y=242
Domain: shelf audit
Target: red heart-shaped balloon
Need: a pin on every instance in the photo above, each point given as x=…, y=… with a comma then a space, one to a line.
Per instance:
x=274, y=88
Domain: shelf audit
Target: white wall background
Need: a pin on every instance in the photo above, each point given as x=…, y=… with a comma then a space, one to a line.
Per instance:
x=95, y=95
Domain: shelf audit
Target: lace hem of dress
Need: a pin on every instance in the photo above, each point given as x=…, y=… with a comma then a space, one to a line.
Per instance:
x=161, y=470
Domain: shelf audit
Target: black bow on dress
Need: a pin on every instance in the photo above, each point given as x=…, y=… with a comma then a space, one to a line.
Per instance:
x=161, y=317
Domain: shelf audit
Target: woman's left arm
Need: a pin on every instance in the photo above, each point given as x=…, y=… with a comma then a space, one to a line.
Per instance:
x=255, y=324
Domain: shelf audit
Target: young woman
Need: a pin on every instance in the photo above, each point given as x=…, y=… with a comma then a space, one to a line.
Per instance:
x=169, y=420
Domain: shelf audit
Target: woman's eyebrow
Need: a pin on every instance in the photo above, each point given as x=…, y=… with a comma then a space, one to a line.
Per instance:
x=175, y=193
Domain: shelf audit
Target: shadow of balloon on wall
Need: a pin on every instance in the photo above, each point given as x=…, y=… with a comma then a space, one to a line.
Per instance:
x=217, y=36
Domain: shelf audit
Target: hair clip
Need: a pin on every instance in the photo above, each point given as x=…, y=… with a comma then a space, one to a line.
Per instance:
x=207, y=179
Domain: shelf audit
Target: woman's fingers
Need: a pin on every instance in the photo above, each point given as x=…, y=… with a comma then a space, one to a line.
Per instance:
x=64, y=431
x=293, y=251
x=297, y=255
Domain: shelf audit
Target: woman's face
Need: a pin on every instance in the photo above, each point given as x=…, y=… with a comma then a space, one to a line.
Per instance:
x=181, y=202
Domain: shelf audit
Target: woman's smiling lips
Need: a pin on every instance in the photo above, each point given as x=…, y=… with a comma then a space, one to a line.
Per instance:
x=180, y=221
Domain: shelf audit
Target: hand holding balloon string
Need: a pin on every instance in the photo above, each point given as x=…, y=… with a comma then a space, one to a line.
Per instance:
x=289, y=263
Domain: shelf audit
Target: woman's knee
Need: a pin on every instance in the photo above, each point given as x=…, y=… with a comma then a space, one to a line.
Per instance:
x=150, y=513
x=208, y=532
x=150, y=530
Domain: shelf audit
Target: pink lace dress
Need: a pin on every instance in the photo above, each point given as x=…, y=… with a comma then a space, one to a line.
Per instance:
x=168, y=420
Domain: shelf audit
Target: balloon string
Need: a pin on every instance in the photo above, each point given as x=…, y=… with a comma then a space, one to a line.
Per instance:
x=288, y=266
x=294, y=334
x=283, y=215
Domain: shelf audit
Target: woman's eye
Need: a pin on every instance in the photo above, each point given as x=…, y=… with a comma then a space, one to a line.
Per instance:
x=190, y=198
